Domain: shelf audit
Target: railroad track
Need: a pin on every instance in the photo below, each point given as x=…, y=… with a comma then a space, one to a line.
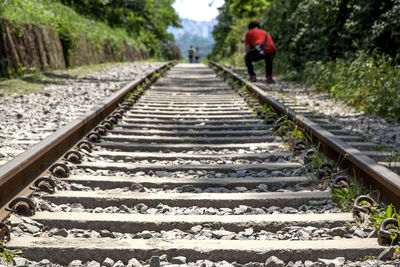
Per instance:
x=188, y=174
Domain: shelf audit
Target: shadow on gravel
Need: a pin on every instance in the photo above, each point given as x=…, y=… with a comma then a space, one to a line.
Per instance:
x=59, y=76
x=81, y=79
x=39, y=80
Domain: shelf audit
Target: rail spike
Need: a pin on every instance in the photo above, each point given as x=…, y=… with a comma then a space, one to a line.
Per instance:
x=85, y=145
x=299, y=146
x=73, y=156
x=112, y=119
x=60, y=170
x=4, y=232
x=101, y=130
x=341, y=181
x=108, y=124
x=309, y=155
x=93, y=136
x=27, y=208
x=117, y=114
x=45, y=184
x=388, y=236
x=367, y=207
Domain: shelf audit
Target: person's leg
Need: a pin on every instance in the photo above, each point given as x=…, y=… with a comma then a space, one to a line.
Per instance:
x=268, y=67
x=251, y=56
x=269, y=58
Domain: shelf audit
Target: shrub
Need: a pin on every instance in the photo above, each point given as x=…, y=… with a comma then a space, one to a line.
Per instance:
x=369, y=82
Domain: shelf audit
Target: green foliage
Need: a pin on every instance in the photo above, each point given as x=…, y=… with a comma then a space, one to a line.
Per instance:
x=288, y=130
x=171, y=51
x=369, y=82
x=246, y=8
x=69, y=23
x=345, y=197
x=139, y=23
x=323, y=30
x=225, y=20
x=8, y=254
x=128, y=96
x=306, y=30
x=382, y=214
x=267, y=110
x=146, y=19
x=140, y=88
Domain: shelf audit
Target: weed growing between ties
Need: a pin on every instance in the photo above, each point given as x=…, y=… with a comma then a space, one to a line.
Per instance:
x=288, y=130
x=385, y=219
x=8, y=254
x=367, y=212
x=344, y=197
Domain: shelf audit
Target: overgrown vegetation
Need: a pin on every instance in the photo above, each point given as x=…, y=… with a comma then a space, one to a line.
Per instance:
x=346, y=47
x=369, y=82
x=140, y=23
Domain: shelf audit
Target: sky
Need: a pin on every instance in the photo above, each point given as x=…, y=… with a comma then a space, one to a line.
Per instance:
x=200, y=10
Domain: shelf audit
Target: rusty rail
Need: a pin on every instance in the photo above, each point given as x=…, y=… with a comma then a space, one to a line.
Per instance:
x=18, y=174
x=365, y=168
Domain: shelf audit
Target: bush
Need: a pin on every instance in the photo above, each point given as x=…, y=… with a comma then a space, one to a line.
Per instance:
x=171, y=51
x=369, y=82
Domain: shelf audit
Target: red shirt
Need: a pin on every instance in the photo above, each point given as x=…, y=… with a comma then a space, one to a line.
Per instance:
x=256, y=36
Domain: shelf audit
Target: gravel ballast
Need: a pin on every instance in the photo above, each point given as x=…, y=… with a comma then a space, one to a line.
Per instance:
x=33, y=116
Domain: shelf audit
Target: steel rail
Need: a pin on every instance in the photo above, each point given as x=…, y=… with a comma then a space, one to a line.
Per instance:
x=363, y=167
x=18, y=174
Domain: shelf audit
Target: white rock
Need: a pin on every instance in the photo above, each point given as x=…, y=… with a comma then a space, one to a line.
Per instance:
x=274, y=262
x=134, y=263
x=119, y=264
x=108, y=262
x=221, y=233
x=339, y=261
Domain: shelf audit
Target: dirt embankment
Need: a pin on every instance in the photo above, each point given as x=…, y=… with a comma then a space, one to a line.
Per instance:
x=40, y=47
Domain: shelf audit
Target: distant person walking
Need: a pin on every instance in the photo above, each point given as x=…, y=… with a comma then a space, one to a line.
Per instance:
x=259, y=45
x=191, y=54
x=197, y=55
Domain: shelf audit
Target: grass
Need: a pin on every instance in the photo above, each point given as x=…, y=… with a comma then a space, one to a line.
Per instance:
x=344, y=197
x=19, y=87
x=8, y=254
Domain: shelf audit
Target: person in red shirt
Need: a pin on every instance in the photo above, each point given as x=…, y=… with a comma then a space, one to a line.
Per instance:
x=255, y=37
